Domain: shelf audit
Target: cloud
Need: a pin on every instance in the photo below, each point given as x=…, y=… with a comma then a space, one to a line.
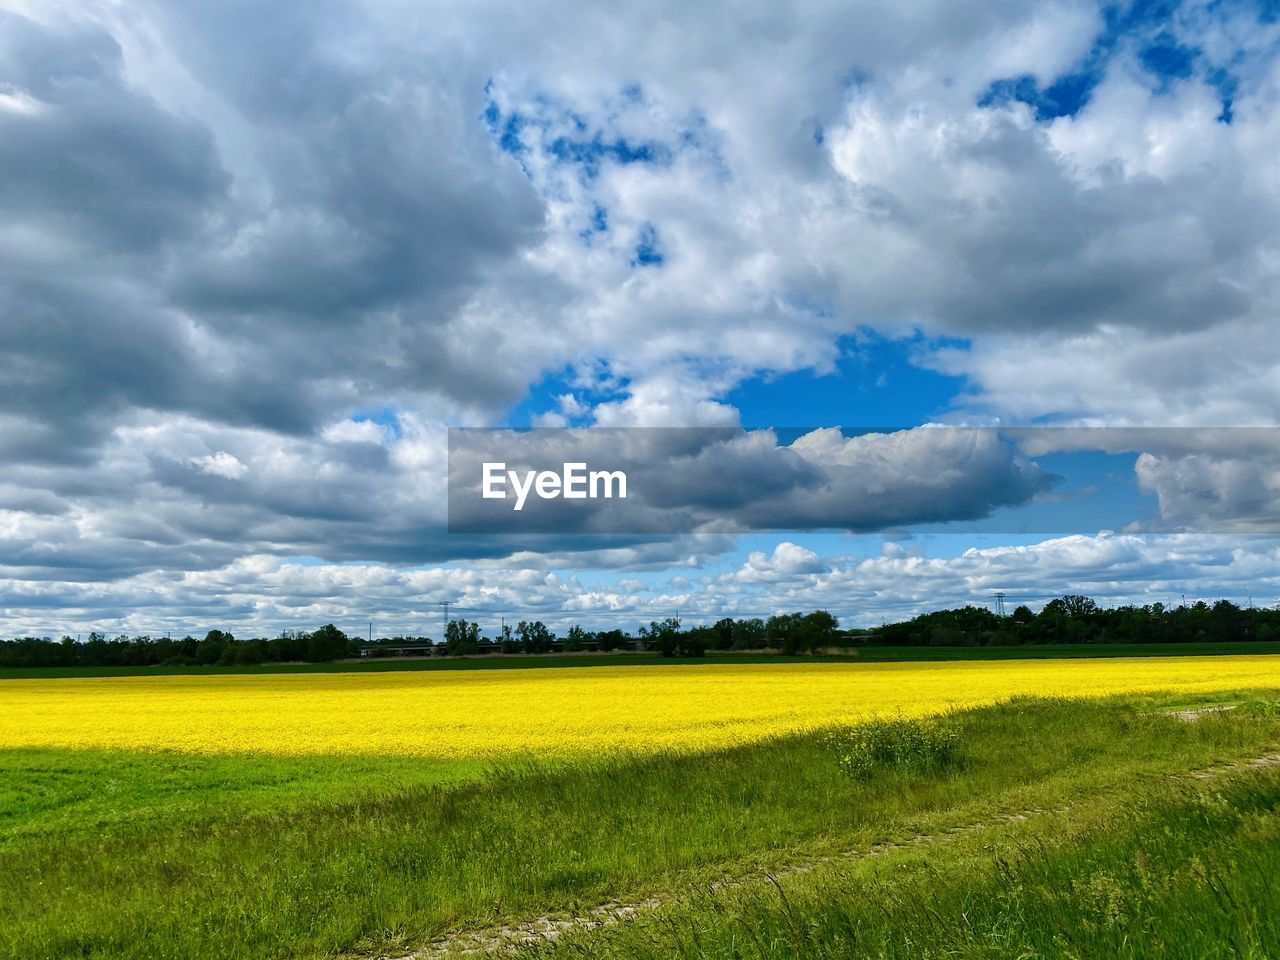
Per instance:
x=786, y=562
x=1207, y=492
x=726, y=480
x=1216, y=479
x=221, y=464
x=158, y=261
x=1115, y=568
x=232, y=238
x=395, y=219
x=260, y=595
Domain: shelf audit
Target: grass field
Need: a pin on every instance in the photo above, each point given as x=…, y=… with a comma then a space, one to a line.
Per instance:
x=1183, y=872
x=328, y=814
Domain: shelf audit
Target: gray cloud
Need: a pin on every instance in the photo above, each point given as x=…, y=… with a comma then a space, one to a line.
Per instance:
x=231, y=233
x=146, y=269
x=688, y=480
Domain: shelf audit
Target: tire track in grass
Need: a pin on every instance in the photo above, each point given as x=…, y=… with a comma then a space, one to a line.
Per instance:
x=509, y=938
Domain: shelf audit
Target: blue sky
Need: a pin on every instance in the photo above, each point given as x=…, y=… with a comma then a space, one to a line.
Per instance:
x=877, y=384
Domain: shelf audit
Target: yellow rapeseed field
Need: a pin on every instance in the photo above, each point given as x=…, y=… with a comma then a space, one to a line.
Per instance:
x=555, y=711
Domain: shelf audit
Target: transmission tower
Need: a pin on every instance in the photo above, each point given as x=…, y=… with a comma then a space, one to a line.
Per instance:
x=445, y=605
x=999, y=603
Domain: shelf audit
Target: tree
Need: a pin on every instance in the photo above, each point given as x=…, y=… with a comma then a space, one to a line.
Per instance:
x=251, y=653
x=1227, y=622
x=607, y=640
x=535, y=637
x=968, y=625
x=724, y=633
x=1067, y=620
x=508, y=643
x=327, y=643
x=663, y=635
x=211, y=648
x=291, y=645
x=696, y=642
x=748, y=634
x=575, y=640
x=780, y=631
x=461, y=638
x=814, y=631
x=1074, y=605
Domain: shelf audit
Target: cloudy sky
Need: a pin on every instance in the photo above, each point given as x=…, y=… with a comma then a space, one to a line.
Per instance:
x=255, y=259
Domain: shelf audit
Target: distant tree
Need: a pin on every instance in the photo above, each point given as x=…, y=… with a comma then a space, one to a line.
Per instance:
x=534, y=636
x=211, y=648
x=1227, y=622
x=1074, y=605
x=814, y=631
x=1069, y=619
x=663, y=635
x=327, y=643
x=607, y=640
x=508, y=643
x=575, y=640
x=748, y=634
x=291, y=645
x=782, y=631
x=1075, y=619
x=696, y=642
x=461, y=638
x=251, y=653
x=724, y=633
x=968, y=625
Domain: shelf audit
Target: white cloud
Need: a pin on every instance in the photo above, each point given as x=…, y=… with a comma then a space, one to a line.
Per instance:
x=787, y=561
x=221, y=464
x=357, y=431
x=260, y=595
x=226, y=233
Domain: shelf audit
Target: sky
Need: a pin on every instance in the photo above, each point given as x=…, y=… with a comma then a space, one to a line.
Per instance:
x=256, y=260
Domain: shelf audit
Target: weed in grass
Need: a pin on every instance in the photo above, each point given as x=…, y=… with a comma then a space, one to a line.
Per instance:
x=1262, y=707
x=896, y=744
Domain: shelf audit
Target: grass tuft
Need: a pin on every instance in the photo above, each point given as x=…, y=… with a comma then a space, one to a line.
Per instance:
x=896, y=744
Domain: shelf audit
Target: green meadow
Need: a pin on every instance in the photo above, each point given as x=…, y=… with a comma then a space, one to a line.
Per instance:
x=1036, y=828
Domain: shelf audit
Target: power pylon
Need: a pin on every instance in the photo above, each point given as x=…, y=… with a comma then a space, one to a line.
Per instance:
x=445, y=605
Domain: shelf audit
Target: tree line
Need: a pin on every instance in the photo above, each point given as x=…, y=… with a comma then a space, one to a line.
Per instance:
x=1079, y=619
x=216, y=648
x=789, y=633
x=1068, y=619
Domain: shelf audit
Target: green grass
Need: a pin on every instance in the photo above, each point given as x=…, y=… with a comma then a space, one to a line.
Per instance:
x=860, y=654
x=1176, y=871
x=245, y=857
x=76, y=793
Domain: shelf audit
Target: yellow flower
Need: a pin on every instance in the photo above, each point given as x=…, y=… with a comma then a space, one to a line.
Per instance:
x=557, y=711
